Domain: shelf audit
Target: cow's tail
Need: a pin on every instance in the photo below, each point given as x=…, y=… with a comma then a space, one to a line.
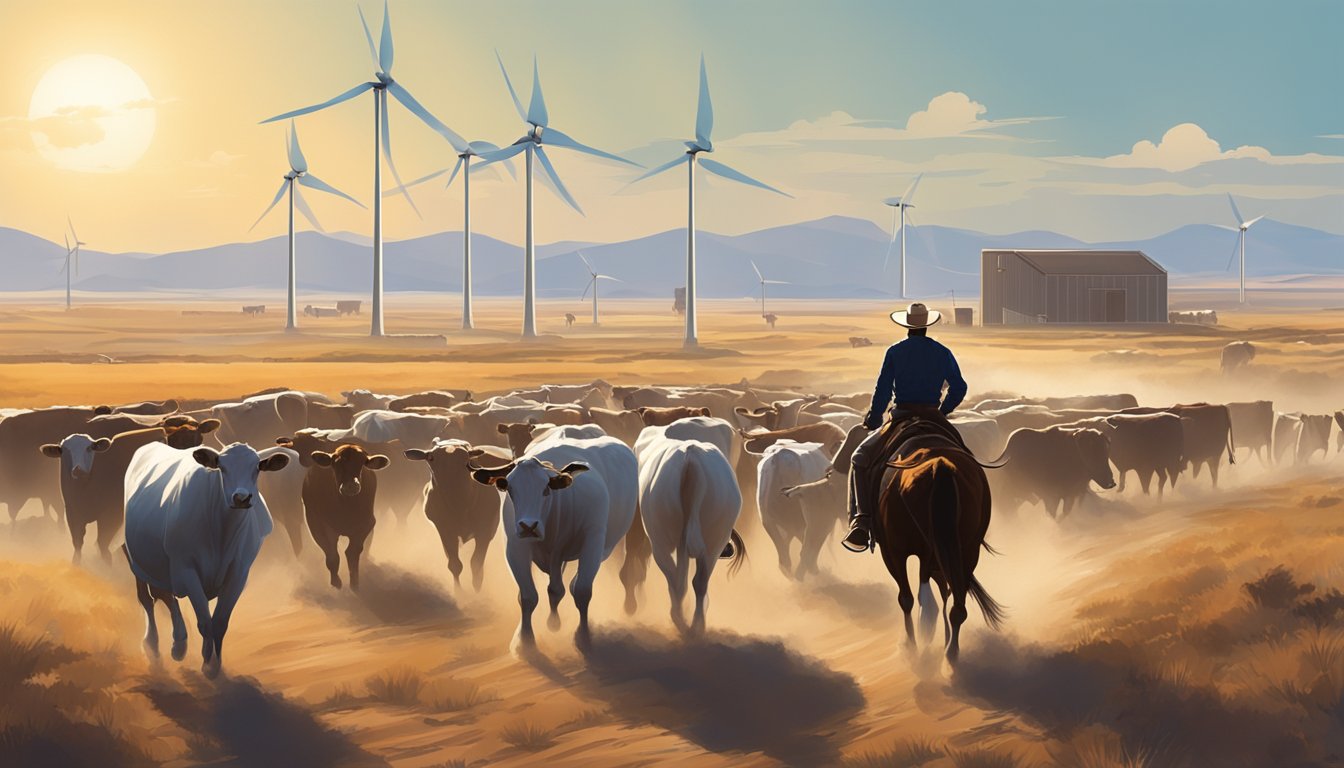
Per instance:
x=1231, y=442
x=945, y=514
x=735, y=552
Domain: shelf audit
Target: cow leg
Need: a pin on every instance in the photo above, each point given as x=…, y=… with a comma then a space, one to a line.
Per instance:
x=482, y=546
x=520, y=562
x=179, y=650
x=77, y=531
x=326, y=541
x=818, y=524
x=635, y=566
x=704, y=568
x=1120, y=488
x=590, y=559
x=1213, y=471
x=219, y=622
x=107, y=530
x=353, y=549
x=187, y=581
x=555, y=592
x=1052, y=506
x=451, y=544
x=675, y=567
x=294, y=530
x=782, y=541
x=1161, y=484
x=151, y=642
x=1146, y=480
x=1068, y=507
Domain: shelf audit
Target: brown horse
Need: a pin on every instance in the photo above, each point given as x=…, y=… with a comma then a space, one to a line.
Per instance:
x=935, y=505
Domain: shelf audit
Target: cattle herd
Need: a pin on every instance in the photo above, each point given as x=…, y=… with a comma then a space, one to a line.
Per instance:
x=569, y=473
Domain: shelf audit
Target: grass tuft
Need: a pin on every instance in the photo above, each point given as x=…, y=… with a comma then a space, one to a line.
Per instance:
x=911, y=753
x=527, y=737
x=398, y=685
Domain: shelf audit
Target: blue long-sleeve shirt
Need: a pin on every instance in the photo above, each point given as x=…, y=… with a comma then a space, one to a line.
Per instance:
x=913, y=372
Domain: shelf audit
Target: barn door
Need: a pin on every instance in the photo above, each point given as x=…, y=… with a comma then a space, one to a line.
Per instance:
x=1115, y=306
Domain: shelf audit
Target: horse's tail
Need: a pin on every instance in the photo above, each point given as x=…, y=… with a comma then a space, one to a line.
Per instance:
x=945, y=513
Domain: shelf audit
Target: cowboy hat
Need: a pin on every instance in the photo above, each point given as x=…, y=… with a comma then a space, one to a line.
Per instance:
x=916, y=316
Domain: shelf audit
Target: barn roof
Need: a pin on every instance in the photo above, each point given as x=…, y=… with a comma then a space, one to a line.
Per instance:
x=1086, y=262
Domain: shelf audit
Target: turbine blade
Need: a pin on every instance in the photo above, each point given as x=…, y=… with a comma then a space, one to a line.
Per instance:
x=586, y=287
x=609, y=277
x=522, y=115
x=373, y=49
x=479, y=148
x=500, y=155
x=312, y=182
x=279, y=194
x=536, y=110
x=664, y=167
x=715, y=167
x=757, y=270
x=1248, y=224
x=72, y=228
x=385, y=43
x=297, y=161
x=1235, y=212
x=387, y=153
x=555, y=179
x=1235, y=247
x=895, y=229
x=407, y=100
x=910, y=193
x=67, y=245
x=556, y=138
x=776, y=282
x=350, y=94
x=704, y=113
x=307, y=212
x=585, y=262
x=456, y=167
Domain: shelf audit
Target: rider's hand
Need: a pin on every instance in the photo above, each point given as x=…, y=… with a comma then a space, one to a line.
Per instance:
x=871, y=422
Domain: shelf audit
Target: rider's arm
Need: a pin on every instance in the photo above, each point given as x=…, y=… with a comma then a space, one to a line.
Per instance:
x=882, y=392
x=956, y=386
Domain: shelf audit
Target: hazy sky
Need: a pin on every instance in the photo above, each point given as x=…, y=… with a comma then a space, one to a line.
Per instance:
x=1103, y=120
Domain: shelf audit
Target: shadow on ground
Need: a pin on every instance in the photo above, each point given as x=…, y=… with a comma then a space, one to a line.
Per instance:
x=726, y=693
x=388, y=595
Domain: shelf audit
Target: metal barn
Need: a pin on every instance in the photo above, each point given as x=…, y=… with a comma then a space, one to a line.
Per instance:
x=1019, y=287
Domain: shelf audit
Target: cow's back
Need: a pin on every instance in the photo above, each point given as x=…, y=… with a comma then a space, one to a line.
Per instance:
x=158, y=481
x=611, y=462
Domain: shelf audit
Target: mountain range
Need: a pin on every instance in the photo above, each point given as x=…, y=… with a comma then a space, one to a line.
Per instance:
x=834, y=257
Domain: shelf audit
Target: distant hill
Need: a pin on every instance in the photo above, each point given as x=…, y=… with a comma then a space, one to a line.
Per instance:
x=834, y=257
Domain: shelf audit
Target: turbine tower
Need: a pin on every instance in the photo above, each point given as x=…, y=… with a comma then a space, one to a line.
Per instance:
x=539, y=133
x=474, y=149
x=704, y=125
x=71, y=254
x=382, y=85
x=900, y=204
x=764, y=283
x=298, y=172
x=592, y=283
x=1240, y=229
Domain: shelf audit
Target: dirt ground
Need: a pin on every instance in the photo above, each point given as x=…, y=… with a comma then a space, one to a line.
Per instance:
x=1201, y=630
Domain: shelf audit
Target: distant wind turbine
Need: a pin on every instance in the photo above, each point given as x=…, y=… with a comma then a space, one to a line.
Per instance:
x=382, y=141
x=900, y=204
x=71, y=254
x=764, y=283
x=592, y=283
x=298, y=172
x=473, y=149
x=1240, y=244
x=704, y=125
x=538, y=133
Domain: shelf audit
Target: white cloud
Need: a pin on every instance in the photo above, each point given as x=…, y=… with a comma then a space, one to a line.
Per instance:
x=1182, y=147
x=956, y=114
x=217, y=159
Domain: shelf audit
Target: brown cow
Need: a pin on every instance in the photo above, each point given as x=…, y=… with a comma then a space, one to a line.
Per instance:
x=1150, y=445
x=338, y=495
x=1339, y=439
x=622, y=425
x=781, y=414
x=829, y=435
x=24, y=474
x=148, y=408
x=520, y=434
x=1053, y=466
x=460, y=508
x=330, y=416
x=661, y=417
x=93, y=472
x=1253, y=425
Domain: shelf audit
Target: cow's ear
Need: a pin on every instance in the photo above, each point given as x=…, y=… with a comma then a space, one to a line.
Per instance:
x=415, y=454
x=274, y=463
x=285, y=442
x=206, y=457
x=377, y=462
x=208, y=426
x=101, y=444
x=575, y=467
x=321, y=458
x=102, y=410
x=502, y=429
x=51, y=451
x=704, y=411
x=493, y=476
x=560, y=481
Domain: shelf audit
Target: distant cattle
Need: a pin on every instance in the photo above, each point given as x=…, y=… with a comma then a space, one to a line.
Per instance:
x=194, y=525
x=364, y=400
x=312, y=311
x=808, y=519
x=828, y=435
x=622, y=425
x=24, y=473
x=1053, y=466
x=565, y=500
x=1194, y=317
x=1287, y=428
x=1117, y=402
x=329, y=416
x=689, y=502
x=1339, y=439
x=980, y=433
x=1149, y=445
x=1253, y=426
x=569, y=319
x=442, y=398
x=348, y=307
x=781, y=414
x=257, y=420
x=1207, y=433
x=338, y=500
x=661, y=417
x=1301, y=435
x=461, y=510
x=93, y=475
x=400, y=485
x=254, y=309
x=1236, y=355
x=148, y=408
x=860, y=341
x=770, y=318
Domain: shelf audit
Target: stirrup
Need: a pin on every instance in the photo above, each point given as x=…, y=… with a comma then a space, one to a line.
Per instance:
x=851, y=547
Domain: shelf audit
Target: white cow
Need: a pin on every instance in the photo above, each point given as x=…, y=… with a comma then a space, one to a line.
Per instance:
x=414, y=430
x=566, y=499
x=194, y=524
x=785, y=464
x=689, y=501
x=715, y=431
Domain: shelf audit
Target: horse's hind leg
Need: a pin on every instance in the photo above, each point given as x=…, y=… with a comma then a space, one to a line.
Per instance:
x=928, y=607
x=958, y=617
x=906, y=598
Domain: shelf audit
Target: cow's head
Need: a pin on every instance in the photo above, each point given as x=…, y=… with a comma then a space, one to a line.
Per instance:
x=79, y=450
x=238, y=466
x=1094, y=449
x=519, y=435
x=529, y=484
x=448, y=460
x=766, y=416
x=182, y=431
x=348, y=463
x=305, y=442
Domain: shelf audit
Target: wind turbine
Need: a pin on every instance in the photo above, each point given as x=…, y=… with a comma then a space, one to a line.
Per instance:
x=1240, y=229
x=538, y=133
x=764, y=283
x=593, y=284
x=473, y=149
x=298, y=172
x=382, y=85
x=900, y=204
x=704, y=125
x=71, y=253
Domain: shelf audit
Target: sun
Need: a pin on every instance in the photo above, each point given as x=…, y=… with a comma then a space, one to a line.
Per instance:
x=91, y=113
